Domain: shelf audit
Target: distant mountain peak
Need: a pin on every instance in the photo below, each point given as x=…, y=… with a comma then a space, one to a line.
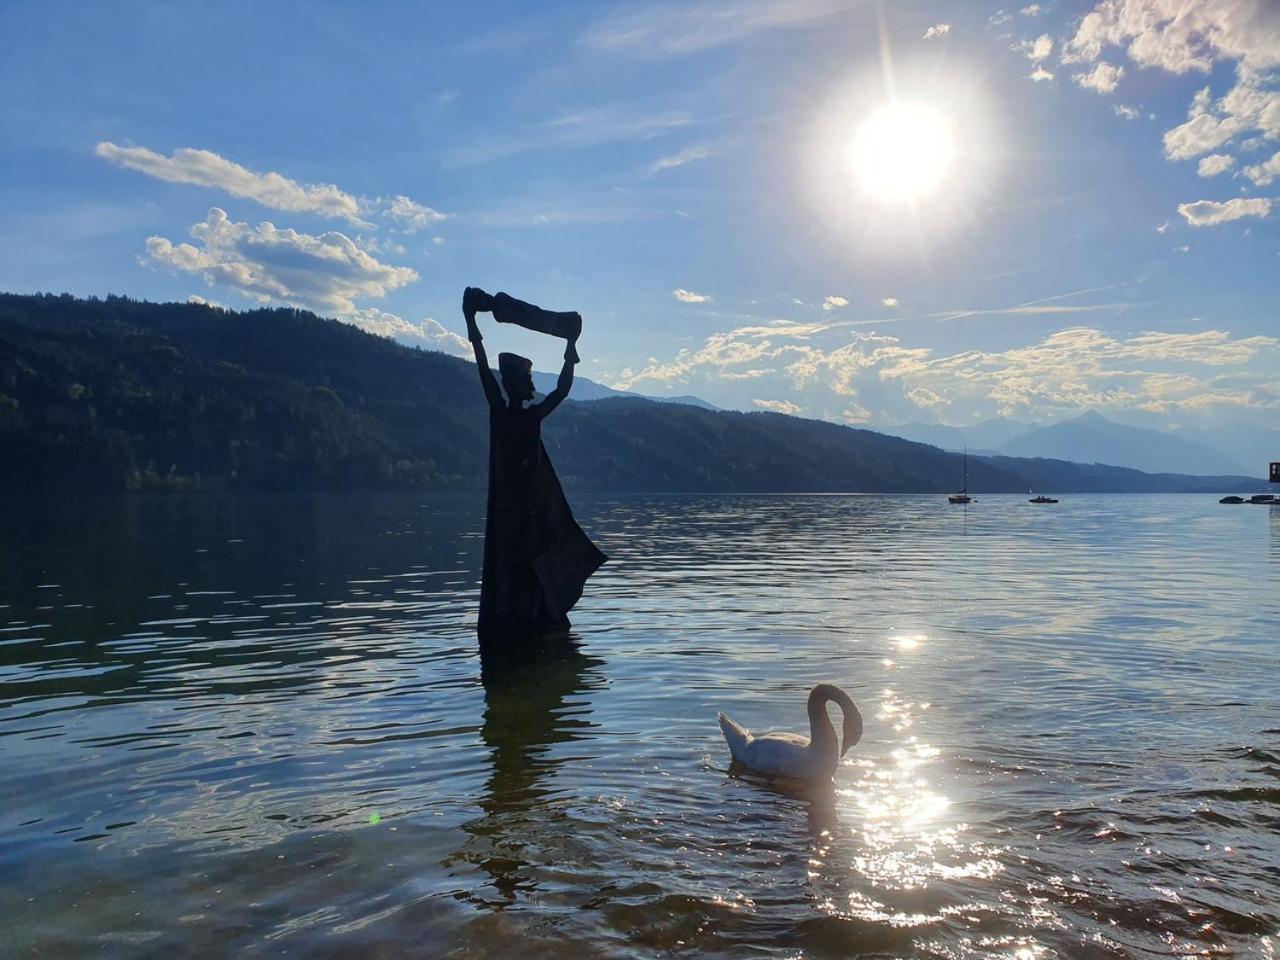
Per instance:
x=1090, y=417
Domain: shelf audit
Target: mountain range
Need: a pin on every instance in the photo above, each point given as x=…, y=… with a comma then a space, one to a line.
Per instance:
x=117, y=394
x=1088, y=438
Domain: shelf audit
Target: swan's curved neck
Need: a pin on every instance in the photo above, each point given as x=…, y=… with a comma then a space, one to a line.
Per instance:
x=822, y=734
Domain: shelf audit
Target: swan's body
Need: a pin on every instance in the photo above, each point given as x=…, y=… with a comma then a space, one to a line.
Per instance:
x=814, y=757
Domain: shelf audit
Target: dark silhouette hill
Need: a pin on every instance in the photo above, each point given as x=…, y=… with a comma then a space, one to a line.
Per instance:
x=119, y=394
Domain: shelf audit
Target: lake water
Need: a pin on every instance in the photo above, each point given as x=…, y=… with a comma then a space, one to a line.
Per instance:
x=259, y=728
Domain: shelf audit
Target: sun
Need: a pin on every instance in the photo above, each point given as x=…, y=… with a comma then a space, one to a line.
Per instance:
x=903, y=152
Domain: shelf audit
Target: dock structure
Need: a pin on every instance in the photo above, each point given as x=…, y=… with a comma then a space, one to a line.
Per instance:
x=1275, y=471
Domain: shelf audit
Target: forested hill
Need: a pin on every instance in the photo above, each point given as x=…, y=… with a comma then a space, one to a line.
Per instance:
x=118, y=394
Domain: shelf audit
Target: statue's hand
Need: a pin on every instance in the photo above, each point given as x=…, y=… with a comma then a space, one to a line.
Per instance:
x=475, y=300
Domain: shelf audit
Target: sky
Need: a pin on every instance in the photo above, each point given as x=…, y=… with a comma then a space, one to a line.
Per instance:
x=869, y=213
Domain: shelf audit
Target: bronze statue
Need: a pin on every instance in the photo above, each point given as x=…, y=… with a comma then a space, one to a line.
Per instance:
x=536, y=557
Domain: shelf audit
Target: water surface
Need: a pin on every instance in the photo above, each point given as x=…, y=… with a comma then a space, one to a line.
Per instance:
x=259, y=727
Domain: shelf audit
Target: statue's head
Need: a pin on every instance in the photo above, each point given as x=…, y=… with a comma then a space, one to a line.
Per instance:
x=517, y=376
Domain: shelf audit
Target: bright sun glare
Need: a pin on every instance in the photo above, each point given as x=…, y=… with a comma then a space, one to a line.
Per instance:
x=903, y=152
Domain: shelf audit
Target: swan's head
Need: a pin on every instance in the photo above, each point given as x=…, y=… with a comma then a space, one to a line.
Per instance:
x=852, y=731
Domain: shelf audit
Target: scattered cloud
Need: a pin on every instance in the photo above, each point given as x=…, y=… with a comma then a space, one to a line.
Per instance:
x=779, y=406
x=207, y=169
x=1126, y=112
x=426, y=333
x=1040, y=74
x=1214, y=164
x=327, y=273
x=1210, y=213
x=999, y=19
x=859, y=377
x=1253, y=104
x=1038, y=49
x=1181, y=37
x=888, y=301
x=1164, y=227
x=1264, y=173
x=688, y=296
x=830, y=303
x=937, y=30
x=411, y=216
x=1031, y=11
x=687, y=155
x=1183, y=249
x=676, y=29
x=205, y=302
x=1103, y=78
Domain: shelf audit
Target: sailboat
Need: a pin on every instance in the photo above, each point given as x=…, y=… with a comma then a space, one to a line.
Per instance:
x=963, y=495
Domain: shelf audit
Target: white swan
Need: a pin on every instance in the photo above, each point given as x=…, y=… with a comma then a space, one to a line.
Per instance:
x=814, y=757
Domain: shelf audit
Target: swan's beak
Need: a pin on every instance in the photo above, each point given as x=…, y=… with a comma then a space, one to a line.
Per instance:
x=852, y=732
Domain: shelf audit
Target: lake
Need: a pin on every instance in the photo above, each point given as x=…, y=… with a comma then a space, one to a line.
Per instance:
x=259, y=727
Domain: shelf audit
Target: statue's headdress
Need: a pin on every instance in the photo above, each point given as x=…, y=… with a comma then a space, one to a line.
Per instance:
x=513, y=365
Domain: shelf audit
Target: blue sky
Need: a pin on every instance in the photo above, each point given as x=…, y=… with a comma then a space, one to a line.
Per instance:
x=685, y=176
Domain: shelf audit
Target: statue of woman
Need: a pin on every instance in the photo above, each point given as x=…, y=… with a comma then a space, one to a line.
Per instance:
x=536, y=557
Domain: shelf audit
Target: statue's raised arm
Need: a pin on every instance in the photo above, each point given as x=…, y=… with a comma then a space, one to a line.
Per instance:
x=476, y=300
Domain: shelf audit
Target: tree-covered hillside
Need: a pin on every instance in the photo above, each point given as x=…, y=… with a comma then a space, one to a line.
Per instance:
x=118, y=394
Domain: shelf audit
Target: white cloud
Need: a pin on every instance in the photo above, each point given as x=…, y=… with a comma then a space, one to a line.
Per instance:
x=205, y=302
x=1164, y=227
x=1181, y=36
x=1039, y=74
x=830, y=303
x=325, y=273
x=937, y=30
x=1184, y=37
x=427, y=333
x=1183, y=249
x=1103, y=78
x=207, y=169
x=678, y=28
x=779, y=406
x=1038, y=49
x=1031, y=11
x=1125, y=112
x=1214, y=164
x=1265, y=172
x=1253, y=104
x=687, y=155
x=688, y=296
x=889, y=301
x=878, y=378
x=999, y=19
x=1210, y=213
x=412, y=216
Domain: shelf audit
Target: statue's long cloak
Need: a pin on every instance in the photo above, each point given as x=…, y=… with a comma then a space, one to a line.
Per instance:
x=536, y=557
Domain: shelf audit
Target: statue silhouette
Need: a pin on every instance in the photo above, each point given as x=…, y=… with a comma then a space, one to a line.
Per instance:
x=536, y=557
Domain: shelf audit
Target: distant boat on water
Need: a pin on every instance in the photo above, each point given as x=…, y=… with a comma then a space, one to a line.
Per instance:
x=1042, y=499
x=963, y=495
x=1232, y=499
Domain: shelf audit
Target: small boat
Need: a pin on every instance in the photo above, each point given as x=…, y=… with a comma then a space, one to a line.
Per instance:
x=1263, y=498
x=1042, y=499
x=1232, y=499
x=963, y=495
